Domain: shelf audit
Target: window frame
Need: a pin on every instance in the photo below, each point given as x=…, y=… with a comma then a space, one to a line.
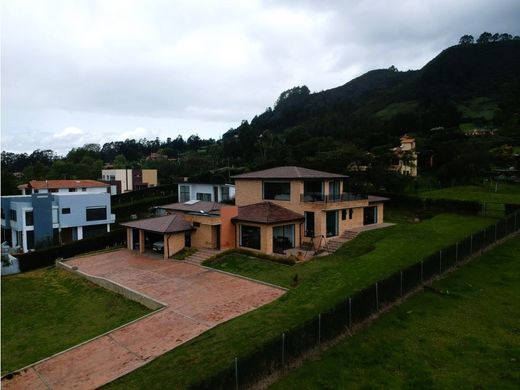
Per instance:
x=278, y=182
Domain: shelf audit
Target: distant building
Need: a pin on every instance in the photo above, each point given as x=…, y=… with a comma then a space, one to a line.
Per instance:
x=60, y=212
x=206, y=192
x=405, y=157
x=125, y=180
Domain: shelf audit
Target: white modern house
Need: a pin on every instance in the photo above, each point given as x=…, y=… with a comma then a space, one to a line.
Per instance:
x=45, y=216
x=206, y=192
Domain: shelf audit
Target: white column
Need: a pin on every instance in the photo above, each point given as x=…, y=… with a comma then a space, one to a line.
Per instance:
x=80, y=232
x=24, y=235
x=108, y=228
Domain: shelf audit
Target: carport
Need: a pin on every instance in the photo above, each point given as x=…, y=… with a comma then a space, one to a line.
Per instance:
x=172, y=228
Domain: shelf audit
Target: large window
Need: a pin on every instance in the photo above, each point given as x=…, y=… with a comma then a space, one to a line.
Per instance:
x=283, y=238
x=29, y=220
x=277, y=190
x=96, y=213
x=250, y=236
x=3, y=214
x=313, y=191
x=225, y=193
x=12, y=214
x=204, y=196
x=332, y=223
x=65, y=210
x=184, y=193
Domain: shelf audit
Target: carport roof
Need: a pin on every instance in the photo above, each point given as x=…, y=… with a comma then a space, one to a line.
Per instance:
x=167, y=224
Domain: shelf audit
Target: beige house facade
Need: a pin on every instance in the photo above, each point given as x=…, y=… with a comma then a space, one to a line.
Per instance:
x=277, y=210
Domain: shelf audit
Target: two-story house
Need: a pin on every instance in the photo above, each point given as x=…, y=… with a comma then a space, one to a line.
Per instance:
x=405, y=157
x=126, y=180
x=276, y=209
x=55, y=211
x=319, y=198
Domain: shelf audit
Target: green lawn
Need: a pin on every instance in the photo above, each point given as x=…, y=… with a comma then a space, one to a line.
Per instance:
x=322, y=283
x=49, y=310
x=506, y=193
x=467, y=337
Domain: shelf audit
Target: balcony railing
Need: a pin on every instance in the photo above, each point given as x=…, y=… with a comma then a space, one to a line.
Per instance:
x=334, y=198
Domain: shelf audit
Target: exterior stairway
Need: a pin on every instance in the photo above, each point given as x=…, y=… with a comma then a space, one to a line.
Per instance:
x=200, y=256
x=334, y=244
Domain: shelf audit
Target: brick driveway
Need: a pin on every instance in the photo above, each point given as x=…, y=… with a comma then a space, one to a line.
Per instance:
x=197, y=299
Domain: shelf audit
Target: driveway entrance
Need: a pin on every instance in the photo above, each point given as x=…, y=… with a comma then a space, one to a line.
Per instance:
x=197, y=299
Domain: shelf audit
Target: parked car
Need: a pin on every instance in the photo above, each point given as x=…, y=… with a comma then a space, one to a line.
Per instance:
x=158, y=246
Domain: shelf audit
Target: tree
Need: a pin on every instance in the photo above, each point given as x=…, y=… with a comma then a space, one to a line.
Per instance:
x=9, y=183
x=291, y=93
x=466, y=40
x=485, y=37
x=120, y=162
x=505, y=37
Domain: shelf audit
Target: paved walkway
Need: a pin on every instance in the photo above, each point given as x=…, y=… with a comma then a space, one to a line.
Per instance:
x=197, y=299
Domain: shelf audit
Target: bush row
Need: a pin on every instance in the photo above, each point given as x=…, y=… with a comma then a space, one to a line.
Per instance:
x=47, y=257
x=434, y=205
x=129, y=197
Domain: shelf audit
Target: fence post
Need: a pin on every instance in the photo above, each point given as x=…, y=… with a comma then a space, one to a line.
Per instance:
x=440, y=261
x=350, y=313
x=422, y=266
x=319, y=328
x=283, y=350
x=401, y=290
x=236, y=373
x=377, y=297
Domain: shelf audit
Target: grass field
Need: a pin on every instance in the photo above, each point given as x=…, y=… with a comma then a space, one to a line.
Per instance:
x=321, y=284
x=468, y=336
x=49, y=310
x=506, y=193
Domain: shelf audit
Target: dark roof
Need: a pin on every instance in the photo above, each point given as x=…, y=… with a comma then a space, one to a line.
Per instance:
x=289, y=173
x=194, y=206
x=266, y=213
x=373, y=198
x=168, y=224
x=57, y=184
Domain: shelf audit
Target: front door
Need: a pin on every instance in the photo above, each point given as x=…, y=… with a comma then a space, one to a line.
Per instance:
x=187, y=239
x=217, y=237
x=309, y=224
x=215, y=194
x=369, y=215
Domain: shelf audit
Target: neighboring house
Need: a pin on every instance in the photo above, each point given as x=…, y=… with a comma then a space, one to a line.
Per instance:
x=405, y=157
x=276, y=210
x=206, y=192
x=63, y=186
x=45, y=216
x=125, y=180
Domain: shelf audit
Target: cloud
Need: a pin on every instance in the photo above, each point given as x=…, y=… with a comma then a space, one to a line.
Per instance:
x=67, y=132
x=171, y=67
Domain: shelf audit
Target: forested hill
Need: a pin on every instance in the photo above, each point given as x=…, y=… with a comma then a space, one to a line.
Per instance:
x=387, y=102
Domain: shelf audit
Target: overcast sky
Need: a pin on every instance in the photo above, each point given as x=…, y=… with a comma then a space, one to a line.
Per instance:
x=76, y=72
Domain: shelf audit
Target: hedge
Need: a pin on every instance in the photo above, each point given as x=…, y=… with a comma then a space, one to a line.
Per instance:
x=132, y=196
x=434, y=205
x=47, y=257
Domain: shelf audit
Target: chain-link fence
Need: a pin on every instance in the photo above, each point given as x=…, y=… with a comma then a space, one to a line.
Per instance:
x=277, y=353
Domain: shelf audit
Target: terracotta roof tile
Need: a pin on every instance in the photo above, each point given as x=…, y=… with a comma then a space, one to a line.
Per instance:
x=289, y=172
x=167, y=224
x=266, y=213
x=56, y=184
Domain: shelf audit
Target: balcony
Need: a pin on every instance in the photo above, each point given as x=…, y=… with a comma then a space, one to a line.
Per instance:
x=334, y=198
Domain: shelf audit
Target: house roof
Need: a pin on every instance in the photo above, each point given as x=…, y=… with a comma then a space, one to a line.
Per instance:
x=407, y=139
x=194, y=206
x=289, y=172
x=373, y=199
x=56, y=184
x=266, y=213
x=167, y=224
